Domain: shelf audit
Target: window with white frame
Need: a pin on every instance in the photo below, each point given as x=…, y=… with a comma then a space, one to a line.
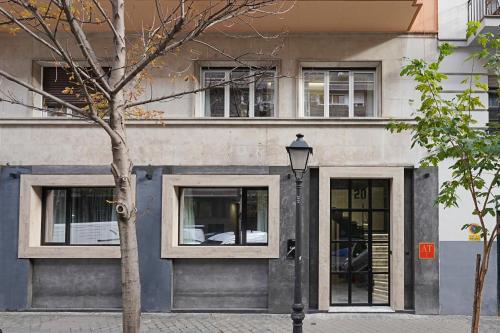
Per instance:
x=247, y=93
x=339, y=93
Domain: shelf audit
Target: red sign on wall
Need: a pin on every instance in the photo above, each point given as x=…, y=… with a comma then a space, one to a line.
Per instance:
x=426, y=251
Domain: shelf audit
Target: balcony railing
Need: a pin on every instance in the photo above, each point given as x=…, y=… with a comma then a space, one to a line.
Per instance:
x=478, y=9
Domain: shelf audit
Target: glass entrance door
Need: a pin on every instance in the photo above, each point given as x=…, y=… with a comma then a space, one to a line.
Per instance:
x=359, y=233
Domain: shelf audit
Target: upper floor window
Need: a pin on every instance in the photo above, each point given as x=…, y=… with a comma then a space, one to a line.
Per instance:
x=60, y=83
x=339, y=93
x=248, y=94
x=79, y=216
x=493, y=100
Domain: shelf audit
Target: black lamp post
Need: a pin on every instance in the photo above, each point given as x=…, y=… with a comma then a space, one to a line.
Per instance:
x=298, y=152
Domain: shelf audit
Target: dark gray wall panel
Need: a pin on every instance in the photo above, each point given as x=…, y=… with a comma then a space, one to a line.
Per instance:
x=313, y=237
x=409, y=242
x=210, y=284
x=457, y=270
x=426, y=229
x=76, y=283
x=71, y=170
x=156, y=273
x=14, y=272
x=221, y=170
x=281, y=271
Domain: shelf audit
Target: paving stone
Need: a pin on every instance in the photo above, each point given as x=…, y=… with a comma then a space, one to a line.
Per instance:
x=23, y=322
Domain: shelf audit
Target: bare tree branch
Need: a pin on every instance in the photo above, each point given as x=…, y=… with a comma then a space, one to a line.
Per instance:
x=85, y=46
x=194, y=91
x=232, y=9
x=41, y=92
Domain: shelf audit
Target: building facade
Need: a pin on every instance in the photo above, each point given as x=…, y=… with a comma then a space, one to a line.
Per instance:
x=213, y=188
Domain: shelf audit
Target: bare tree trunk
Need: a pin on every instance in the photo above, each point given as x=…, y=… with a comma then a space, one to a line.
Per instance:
x=122, y=171
x=476, y=310
x=481, y=270
x=126, y=211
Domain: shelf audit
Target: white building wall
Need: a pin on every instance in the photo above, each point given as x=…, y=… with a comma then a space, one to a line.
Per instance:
x=452, y=16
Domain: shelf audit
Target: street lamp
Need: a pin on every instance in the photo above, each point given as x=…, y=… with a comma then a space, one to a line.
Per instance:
x=299, y=152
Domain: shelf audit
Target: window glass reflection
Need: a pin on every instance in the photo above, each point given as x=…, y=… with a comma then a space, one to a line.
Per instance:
x=314, y=94
x=339, y=94
x=364, y=96
x=223, y=216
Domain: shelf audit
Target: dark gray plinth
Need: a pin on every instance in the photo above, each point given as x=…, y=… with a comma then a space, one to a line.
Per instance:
x=14, y=272
x=155, y=272
x=281, y=271
x=426, y=229
x=76, y=284
x=220, y=284
x=458, y=267
x=313, y=237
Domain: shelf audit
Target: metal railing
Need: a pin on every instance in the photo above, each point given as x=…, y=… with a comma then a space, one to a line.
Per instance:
x=478, y=9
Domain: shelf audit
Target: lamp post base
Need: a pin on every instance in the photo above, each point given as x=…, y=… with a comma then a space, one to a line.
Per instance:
x=297, y=317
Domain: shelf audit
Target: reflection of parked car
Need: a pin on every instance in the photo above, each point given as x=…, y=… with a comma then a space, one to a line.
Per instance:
x=193, y=236
x=229, y=238
x=359, y=258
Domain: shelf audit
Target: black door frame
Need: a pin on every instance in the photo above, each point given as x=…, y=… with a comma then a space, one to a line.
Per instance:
x=369, y=242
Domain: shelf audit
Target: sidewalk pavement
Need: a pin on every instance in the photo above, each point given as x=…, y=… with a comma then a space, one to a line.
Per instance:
x=59, y=322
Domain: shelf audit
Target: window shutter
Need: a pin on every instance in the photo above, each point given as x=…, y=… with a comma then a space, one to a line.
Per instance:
x=55, y=80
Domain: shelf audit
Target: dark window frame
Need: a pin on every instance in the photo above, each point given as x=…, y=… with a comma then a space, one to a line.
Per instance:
x=241, y=228
x=69, y=208
x=350, y=243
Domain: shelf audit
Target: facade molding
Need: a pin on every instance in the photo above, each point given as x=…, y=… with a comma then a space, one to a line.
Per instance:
x=30, y=217
x=170, y=216
x=396, y=176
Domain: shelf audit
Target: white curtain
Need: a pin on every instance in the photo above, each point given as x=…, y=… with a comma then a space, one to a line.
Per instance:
x=262, y=210
x=187, y=219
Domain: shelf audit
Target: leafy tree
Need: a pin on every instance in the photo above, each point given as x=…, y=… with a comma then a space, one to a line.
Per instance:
x=447, y=131
x=111, y=97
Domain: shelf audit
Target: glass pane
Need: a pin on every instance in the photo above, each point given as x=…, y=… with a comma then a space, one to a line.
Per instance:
x=214, y=97
x=340, y=194
x=340, y=257
x=364, y=95
x=339, y=288
x=493, y=100
x=256, y=216
x=209, y=216
x=212, y=216
x=380, y=293
x=93, y=219
x=339, y=94
x=359, y=225
x=359, y=288
x=380, y=194
x=55, y=216
x=239, y=94
x=314, y=94
x=380, y=226
x=340, y=225
x=264, y=95
x=359, y=257
x=380, y=257
x=359, y=194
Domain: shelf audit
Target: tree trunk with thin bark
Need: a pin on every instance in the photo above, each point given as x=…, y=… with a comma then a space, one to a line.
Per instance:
x=122, y=172
x=481, y=270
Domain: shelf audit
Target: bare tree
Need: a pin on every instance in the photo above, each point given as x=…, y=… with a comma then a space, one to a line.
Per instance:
x=113, y=89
